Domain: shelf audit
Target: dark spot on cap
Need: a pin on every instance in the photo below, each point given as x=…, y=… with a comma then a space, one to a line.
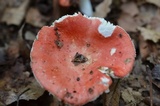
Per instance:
x=88, y=45
x=74, y=91
x=120, y=35
x=44, y=61
x=83, y=69
x=57, y=34
x=55, y=28
x=90, y=91
x=128, y=60
x=58, y=43
x=68, y=94
x=91, y=72
x=90, y=79
x=78, y=79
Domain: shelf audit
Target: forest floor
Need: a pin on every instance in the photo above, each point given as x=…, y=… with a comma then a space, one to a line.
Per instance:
x=20, y=21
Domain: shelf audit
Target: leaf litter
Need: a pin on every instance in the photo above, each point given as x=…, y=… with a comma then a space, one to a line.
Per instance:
x=139, y=18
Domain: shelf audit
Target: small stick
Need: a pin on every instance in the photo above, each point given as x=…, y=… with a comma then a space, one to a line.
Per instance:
x=150, y=83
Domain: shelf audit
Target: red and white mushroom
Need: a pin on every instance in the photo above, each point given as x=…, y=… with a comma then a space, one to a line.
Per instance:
x=74, y=58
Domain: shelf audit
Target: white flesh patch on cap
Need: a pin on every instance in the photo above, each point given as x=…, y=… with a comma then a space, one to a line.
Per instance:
x=106, y=28
x=105, y=81
x=112, y=74
x=107, y=71
x=113, y=50
x=103, y=70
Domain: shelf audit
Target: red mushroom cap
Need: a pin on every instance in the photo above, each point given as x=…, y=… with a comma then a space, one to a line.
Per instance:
x=74, y=57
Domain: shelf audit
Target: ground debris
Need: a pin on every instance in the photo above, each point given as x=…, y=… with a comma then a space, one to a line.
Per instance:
x=15, y=15
x=16, y=80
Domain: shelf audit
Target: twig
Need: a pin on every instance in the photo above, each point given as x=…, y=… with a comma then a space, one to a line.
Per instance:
x=21, y=95
x=150, y=84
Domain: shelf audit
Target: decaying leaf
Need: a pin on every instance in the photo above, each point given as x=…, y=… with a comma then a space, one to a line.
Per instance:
x=112, y=98
x=102, y=9
x=131, y=96
x=35, y=18
x=127, y=22
x=15, y=15
x=130, y=8
x=156, y=72
x=13, y=49
x=155, y=2
x=3, y=5
x=16, y=80
x=144, y=48
x=146, y=14
x=149, y=34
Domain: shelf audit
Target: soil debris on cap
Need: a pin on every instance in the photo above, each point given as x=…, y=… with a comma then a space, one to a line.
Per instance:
x=79, y=58
x=58, y=43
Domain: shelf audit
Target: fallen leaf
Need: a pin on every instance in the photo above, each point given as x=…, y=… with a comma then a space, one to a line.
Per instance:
x=144, y=48
x=156, y=101
x=127, y=22
x=147, y=12
x=102, y=9
x=35, y=18
x=155, y=2
x=3, y=5
x=15, y=81
x=112, y=98
x=130, y=8
x=155, y=21
x=156, y=72
x=15, y=15
x=131, y=96
x=156, y=83
x=13, y=49
x=149, y=34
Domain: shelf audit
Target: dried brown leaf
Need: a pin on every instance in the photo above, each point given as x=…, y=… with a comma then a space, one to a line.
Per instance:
x=102, y=9
x=147, y=12
x=112, y=98
x=131, y=96
x=149, y=34
x=155, y=2
x=15, y=15
x=15, y=81
x=144, y=48
x=130, y=8
x=127, y=22
x=35, y=18
x=13, y=49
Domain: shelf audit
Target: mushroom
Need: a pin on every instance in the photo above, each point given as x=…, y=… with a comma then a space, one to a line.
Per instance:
x=74, y=58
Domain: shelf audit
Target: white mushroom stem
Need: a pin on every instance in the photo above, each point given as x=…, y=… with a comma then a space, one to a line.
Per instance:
x=86, y=7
